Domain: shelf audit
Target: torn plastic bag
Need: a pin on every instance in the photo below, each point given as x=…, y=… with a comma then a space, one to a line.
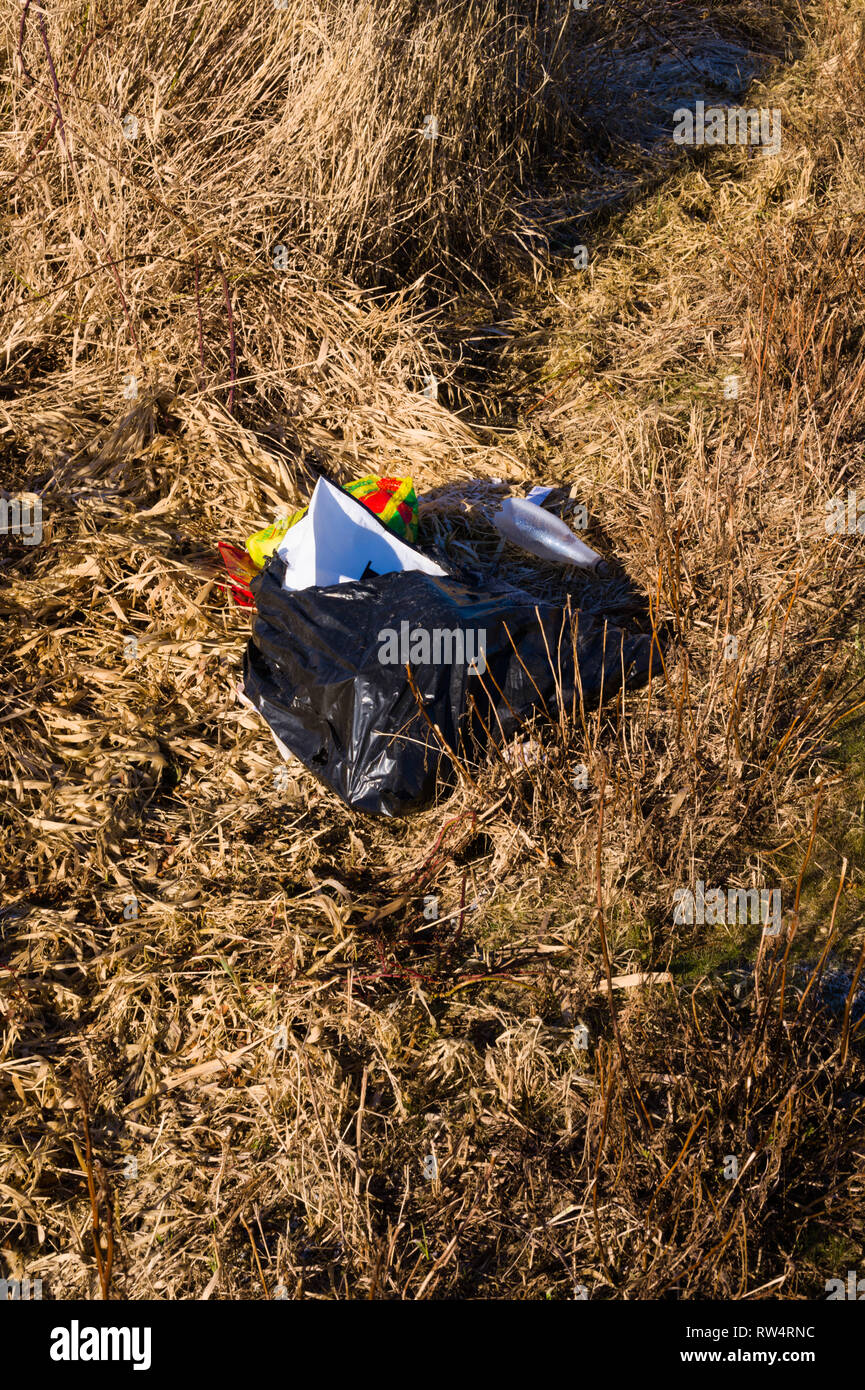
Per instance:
x=324, y=668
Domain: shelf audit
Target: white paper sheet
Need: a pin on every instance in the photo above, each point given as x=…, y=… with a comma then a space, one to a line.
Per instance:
x=338, y=538
x=538, y=495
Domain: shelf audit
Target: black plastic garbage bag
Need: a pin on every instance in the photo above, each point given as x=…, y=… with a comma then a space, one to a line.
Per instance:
x=326, y=669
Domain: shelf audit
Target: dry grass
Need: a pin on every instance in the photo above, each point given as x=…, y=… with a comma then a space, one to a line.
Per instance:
x=231, y=1038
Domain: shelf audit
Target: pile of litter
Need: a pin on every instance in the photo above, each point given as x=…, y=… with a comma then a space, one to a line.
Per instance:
x=388, y=673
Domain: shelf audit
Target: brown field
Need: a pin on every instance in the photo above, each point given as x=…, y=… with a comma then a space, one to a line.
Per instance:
x=230, y=1041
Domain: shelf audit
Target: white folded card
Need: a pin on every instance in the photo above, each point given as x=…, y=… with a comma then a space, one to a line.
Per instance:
x=336, y=541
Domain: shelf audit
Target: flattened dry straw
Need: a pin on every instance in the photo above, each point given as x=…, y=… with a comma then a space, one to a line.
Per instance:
x=274, y=1011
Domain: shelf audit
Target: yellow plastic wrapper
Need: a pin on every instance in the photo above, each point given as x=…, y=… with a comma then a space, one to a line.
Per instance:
x=262, y=545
